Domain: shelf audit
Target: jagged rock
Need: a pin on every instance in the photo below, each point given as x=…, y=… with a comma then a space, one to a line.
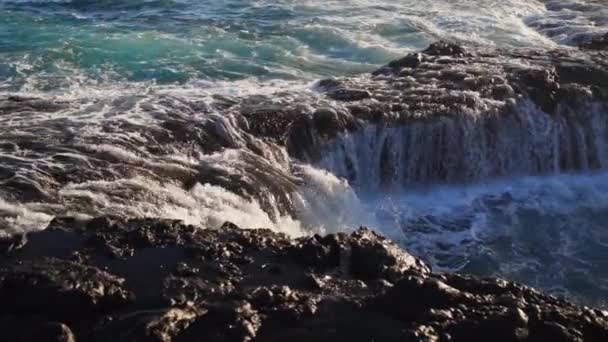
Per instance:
x=155, y=325
x=327, y=121
x=12, y=243
x=120, y=240
x=236, y=321
x=445, y=49
x=53, y=332
x=373, y=257
x=14, y=103
x=183, y=283
x=348, y=94
x=149, y=279
x=363, y=254
x=59, y=289
x=598, y=43
x=418, y=294
x=447, y=114
x=409, y=61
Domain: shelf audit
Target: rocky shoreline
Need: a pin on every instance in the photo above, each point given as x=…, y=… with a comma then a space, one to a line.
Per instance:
x=110, y=279
x=113, y=279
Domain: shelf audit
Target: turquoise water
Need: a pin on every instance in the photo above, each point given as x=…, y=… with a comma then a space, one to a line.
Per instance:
x=49, y=45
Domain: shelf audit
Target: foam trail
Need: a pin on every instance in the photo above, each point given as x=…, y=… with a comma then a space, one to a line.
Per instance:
x=204, y=205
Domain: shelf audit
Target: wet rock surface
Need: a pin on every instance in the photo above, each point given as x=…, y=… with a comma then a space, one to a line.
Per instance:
x=450, y=114
x=460, y=105
x=110, y=279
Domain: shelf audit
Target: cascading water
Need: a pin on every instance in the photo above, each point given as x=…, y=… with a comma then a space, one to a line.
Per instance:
x=472, y=147
x=489, y=214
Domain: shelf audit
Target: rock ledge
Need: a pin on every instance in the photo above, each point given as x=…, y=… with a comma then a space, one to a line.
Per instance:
x=158, y=280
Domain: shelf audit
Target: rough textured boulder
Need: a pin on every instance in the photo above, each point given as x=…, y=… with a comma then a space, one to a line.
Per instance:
x=111, y=279
x=59, y=288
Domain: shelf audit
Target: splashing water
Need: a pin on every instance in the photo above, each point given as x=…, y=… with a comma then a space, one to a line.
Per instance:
x=548, y=232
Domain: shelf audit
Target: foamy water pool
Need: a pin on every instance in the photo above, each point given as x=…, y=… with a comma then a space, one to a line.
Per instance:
x=548, y=232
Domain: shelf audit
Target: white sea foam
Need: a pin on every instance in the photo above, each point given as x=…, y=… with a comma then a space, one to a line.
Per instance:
x=324, y=204
x=546, y=231
x=328, y=203
x=204, y=205
x=17, y=218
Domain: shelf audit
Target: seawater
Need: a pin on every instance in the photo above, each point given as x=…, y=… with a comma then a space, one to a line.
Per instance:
x=46, y=45
x=549, y=232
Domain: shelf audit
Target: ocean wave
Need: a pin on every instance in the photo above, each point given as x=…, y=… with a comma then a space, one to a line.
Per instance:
x=168, y=42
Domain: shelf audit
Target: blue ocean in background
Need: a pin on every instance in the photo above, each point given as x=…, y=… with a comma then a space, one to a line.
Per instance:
x=47, y=45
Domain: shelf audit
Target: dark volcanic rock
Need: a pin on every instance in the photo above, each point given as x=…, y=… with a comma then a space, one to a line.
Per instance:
x=445, y=49
x=166, y=281
x=409, y=61
x=598, y=43
x=153, y=325
x=450, y=114
x=59, y=289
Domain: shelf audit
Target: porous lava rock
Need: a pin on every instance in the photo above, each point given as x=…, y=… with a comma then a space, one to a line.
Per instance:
x=111, y=279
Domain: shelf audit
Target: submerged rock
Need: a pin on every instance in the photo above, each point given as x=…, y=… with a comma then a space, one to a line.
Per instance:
x=158, y=280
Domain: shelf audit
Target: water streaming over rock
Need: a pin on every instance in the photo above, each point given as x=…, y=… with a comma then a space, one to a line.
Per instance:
x=467, y=148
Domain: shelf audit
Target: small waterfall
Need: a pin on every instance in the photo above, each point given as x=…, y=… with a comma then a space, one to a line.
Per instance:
x=465, y=148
